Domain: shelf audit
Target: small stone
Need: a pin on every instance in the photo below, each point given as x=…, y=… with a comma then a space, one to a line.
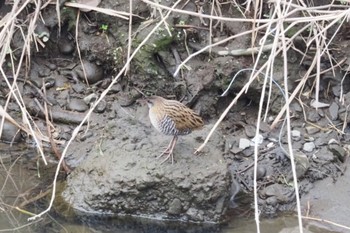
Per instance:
x=259, y=139
x=244, y=143
x=235, y=150
x=10, y=133
x=101, y=107
x=52, y=66
x=270, y=145
x=342, y=113
x=250, y=131
x=336, y=90
x=78, y=88
x=271, y=201
x=77, y=105
x=337, y=151
x=325, y=154
x=309, y=147
x=296, y=106
x=312, y=130
x=175, y=207
x=313, y=116
x=296, y=135
x=93, y=72
x=277, y=190
x=65, y=46
x=333, y=111
x=90, y=98
x=302, y=164
x=261, y=172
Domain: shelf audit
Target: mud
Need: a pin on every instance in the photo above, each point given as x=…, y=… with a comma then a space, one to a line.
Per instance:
x=114, y=156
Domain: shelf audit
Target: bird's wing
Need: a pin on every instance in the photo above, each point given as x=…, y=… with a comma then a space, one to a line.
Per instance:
x=185, y=119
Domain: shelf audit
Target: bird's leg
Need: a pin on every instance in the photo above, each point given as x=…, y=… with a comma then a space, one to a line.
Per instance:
x=169, y=150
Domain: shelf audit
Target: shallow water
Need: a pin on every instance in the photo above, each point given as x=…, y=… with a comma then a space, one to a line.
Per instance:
x=19, y=175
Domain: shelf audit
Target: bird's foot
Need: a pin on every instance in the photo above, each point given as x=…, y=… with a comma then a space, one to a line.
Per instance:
x=169, y=154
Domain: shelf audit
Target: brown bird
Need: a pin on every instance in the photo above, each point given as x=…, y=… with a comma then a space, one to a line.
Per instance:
x=171, y=117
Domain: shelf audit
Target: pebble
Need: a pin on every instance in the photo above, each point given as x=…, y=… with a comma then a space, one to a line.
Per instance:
x=338, y=151
x=302, y=164
x=250, y=130
x=10, y=133
x=296, y=135
x=309, y=147
x=259, y=139
x=101, y=107
x=77, y=105
x=271, y=201
x=52, y=66
x=313, y=116
x=93, y=72
x=279, y=191
x=78, y=87
x=65, y=46
x=312, y=130
x=333, y=111
x=244, y=143
x=342, y=114
x=296, y=106
x=175, y=207
x=261, y=172
x=325, y=154
x=90, y=98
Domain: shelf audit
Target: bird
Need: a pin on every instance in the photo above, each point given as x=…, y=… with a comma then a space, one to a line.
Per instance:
x=171, y=117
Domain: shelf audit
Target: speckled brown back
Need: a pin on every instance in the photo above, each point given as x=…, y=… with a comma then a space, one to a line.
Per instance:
x=172, y=117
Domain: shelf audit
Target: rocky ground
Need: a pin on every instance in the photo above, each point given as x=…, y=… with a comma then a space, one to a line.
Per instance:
x=113, y=158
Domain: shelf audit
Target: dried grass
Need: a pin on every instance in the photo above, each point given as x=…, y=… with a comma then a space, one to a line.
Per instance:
x=284, y=15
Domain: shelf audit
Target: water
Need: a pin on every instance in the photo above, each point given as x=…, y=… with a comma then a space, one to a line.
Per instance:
x=19, y=180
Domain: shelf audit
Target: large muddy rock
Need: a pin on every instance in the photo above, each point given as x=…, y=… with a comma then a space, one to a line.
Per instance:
x=121, y=175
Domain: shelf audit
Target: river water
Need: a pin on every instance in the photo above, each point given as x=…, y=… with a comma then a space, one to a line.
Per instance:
x=20, y=176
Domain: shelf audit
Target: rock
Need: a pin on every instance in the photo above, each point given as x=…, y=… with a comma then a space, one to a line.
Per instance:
x=333, y=111
x=101, y=106
x=259, y=139
x=261, y=172
x=296, y=106
x=244, y=143
x=10, y=133
x=302, y=164
x=325, y=154
x=128, y=179
x=235, y=150
x=90, y=98
x=296, y=135
x=309, y=146
x=93, y=72
x=337, y=151
x=272, y=201
x=77, y=105
x=282, y=193
x=342, y=114
x=250, y=130
x=65, y=46
x=79, y=87
x=313, y=115
x=175, y=207
x=312, y=130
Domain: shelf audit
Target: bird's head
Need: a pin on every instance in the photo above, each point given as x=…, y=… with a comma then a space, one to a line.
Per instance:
x=153, y=100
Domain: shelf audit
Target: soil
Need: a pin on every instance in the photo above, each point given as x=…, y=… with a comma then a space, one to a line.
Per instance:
x=113, y=157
